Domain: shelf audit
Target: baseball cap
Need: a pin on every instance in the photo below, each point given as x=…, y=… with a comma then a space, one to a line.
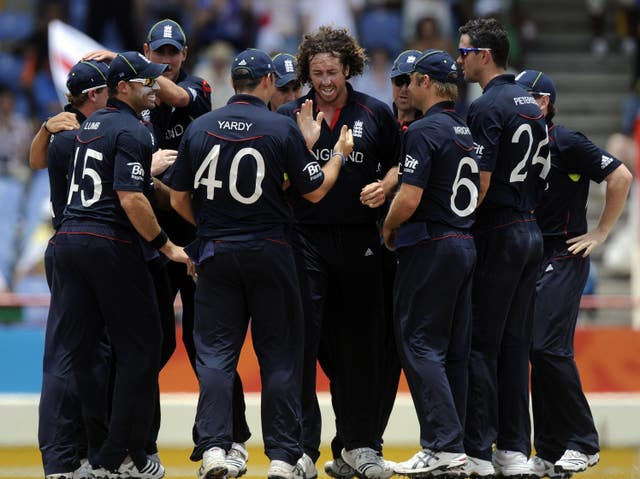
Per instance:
x=438, y=65
x=285, y=65
x=128, y=65
x=251, y=64
x=166, y=32
x=87, y=75
x=403, y=64
x=537, y=83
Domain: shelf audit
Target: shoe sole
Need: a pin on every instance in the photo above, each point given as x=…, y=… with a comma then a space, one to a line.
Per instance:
x=216, y=473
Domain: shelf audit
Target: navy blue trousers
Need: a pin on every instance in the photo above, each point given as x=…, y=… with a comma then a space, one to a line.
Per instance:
x=432, y=310
x=344, y=318
x=509, y=249
x=254, y=281
x=62, y=436
x=101, y=281
x=561, y=415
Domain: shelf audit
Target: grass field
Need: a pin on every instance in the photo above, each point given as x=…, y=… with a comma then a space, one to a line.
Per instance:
x=24, y=463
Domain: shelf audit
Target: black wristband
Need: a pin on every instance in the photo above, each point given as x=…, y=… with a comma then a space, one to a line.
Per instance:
x=44, y=125
x=160, y=240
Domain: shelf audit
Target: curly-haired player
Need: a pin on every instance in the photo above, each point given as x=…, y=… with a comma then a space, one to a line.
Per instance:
x=339, y=249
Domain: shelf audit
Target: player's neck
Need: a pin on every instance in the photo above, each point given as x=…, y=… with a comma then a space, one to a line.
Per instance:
x=489, y=74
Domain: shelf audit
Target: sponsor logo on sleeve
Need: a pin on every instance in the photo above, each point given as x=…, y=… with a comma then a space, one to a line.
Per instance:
x=137, y=171
x=313, y=170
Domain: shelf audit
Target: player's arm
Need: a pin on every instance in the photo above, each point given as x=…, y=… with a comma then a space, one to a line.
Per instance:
x=40, y=143
x=618, y=184
x=181, y=202
x=172, y=94
x=161, y=194
x=139, y=211
x=402, y=207
x=331, y=168
x=485, y=181
x=100, y=55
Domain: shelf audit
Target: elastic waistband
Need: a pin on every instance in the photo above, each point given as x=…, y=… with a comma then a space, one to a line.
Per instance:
x=92, y=228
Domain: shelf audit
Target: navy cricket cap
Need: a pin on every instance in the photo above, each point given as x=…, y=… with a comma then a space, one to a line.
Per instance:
x=404, y=63
x=87, y=75
x=438, y=65
x=537, y=83
x=128, y=65
x=285, y=65
x=166, y=32
x=251, y=64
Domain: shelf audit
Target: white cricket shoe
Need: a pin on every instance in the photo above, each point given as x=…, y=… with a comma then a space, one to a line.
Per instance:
x=427, y=460
x=575, y=461
x=128, y=468
x=338, y=469
x=284, y=470
x=84, y=471
x=308, y=468
x=365, y=462
x=511, y=464
x=62, y=475
x=236, y=460
x=214, y=464
x=475, y=467
x=542, y=468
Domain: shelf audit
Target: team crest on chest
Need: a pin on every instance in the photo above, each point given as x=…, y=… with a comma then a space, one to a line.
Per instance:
x=357, y=128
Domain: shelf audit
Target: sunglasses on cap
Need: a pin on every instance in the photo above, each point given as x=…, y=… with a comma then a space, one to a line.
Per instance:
x=465, y=51
x=401, y=80
x=149, y=82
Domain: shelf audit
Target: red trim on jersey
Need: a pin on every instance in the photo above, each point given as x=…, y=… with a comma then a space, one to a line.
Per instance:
x=241, y=103
x=231, y=139
x=362, y=105
x=508, y=224
x=87, y=233
x=277, y=241
x=452, y=235
x=90, y=140
x=336, y=115
x=568, y=256
x=462, y=147
x=531, y=117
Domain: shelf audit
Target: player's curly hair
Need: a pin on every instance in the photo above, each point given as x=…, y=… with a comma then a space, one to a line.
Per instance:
x=488, y=33
x=335, y=41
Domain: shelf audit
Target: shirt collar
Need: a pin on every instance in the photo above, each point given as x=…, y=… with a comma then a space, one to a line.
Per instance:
x=441, y=106
x=120, y=105
x=245, y=98
x=504, y=79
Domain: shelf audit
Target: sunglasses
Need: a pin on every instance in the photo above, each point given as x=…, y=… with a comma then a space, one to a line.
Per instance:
x=465, y=51
x=401, y=80
x=149, y=82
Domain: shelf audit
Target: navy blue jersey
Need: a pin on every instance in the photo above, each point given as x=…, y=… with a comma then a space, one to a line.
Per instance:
x=439, y=157
x=112, y=153
x=59, y=157
x=511, y=142
x=234, y=160
x=169, y=123
x=376, y=149
x=575, y=161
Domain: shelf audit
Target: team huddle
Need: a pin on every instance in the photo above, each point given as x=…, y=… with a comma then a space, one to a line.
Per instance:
x=368, y=240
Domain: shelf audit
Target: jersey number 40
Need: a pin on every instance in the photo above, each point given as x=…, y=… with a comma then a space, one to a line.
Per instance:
x=206, y=174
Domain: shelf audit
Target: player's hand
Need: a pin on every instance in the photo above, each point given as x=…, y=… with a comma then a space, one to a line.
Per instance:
x=389, y=237
x=344, y=144
x=372, y=195
x=176, y=253
x=100, y=55
x=161, y=160
x=586, y=243
x=309, y=127
x=63, y=121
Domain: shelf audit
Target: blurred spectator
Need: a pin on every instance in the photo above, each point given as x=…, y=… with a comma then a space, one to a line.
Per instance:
x=626, y=25
x=233, y=21
x=335, y=13
x=214, y=65
x=428, y=34
x=15, y=137
x=440, y=10
x=123, y=15
x=35, y=78
x=375, y=79
x=380, y=26
x=280, y=25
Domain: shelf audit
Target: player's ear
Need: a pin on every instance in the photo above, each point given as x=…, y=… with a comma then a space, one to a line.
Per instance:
x=146, y=49
x=184, y=52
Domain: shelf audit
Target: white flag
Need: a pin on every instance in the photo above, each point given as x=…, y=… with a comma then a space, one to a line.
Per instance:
x=67, y=46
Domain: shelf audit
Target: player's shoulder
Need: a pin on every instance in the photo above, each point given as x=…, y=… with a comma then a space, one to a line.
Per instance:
x=371, y=104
